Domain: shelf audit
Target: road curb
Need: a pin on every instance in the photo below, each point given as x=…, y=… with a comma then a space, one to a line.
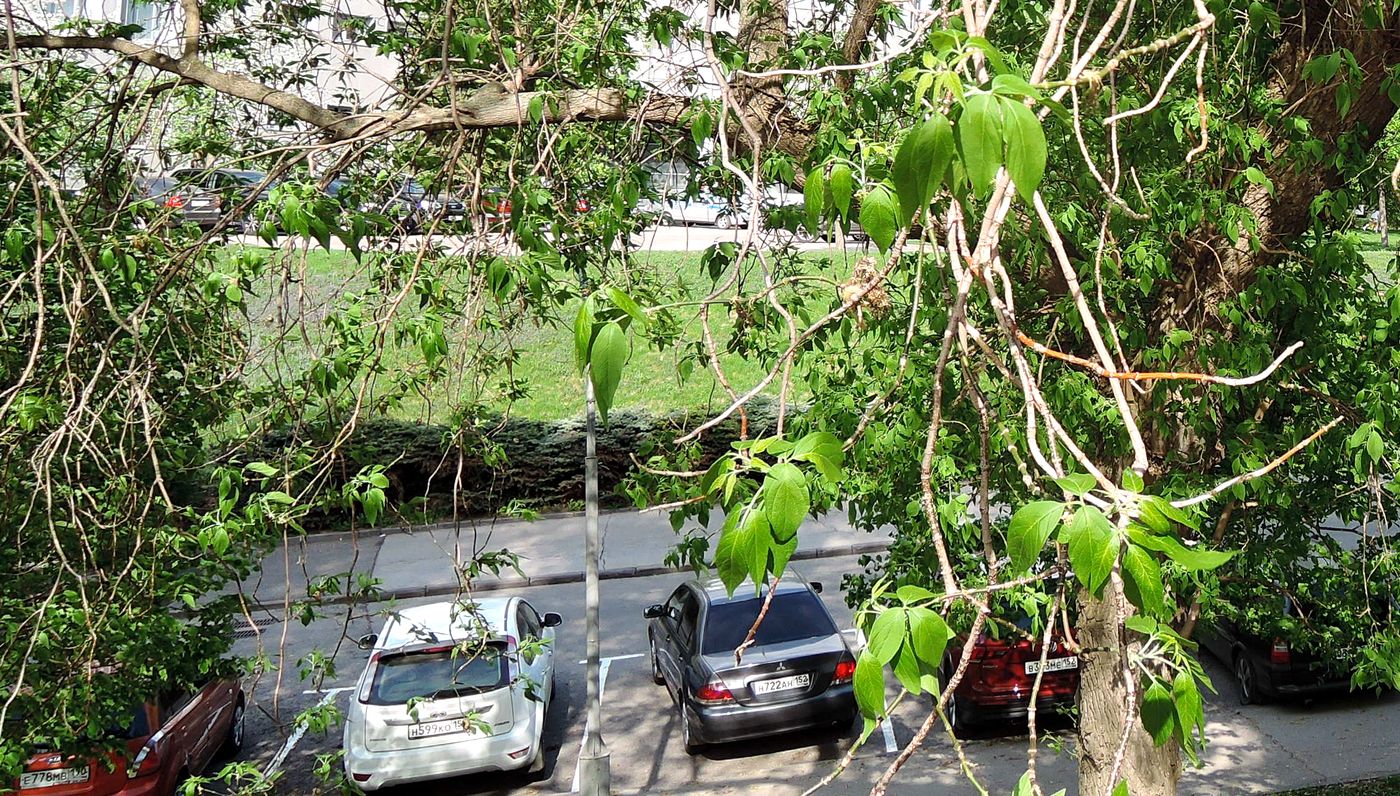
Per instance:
x=557, y=578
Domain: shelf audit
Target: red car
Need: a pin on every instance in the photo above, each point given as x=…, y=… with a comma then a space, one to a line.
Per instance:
x=178, y=735
x=998, y=680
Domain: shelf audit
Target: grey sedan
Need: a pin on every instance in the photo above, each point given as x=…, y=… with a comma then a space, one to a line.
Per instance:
x=796, y=675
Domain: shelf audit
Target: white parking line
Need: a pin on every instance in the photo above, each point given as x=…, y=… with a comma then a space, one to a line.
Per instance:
x=603, y=666
x=887, y=729
x=297, y=732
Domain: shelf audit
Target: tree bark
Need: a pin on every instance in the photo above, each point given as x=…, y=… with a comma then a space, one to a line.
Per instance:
x=1149, y=769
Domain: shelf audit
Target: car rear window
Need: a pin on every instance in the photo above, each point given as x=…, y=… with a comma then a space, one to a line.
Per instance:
x=438, y=672
x=792, y=616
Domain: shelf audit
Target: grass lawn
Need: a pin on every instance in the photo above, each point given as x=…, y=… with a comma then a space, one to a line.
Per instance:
x=1377, y=254
x=291, y=304
x=1385, y=786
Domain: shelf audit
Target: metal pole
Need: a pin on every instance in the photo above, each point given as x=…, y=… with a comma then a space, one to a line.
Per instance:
x=595, y=774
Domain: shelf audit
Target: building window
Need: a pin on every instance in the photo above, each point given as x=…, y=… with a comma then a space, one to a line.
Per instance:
x=61, y=9
x=140, y=13
x=349, y=28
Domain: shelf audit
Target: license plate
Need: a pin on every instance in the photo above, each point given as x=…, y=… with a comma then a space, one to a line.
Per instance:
x=199, y=203
x=1053, y=665
x=53, y=777
x=782, y=684
x=432, y=728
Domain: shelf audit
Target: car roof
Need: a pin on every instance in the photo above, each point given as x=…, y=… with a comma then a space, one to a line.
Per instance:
x=716, y=593
x=443, y=622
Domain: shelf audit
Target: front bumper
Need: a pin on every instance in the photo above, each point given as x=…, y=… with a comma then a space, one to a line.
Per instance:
x=735, y=722
x=468, y=756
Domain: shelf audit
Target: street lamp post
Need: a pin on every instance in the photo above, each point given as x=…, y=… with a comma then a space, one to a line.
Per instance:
x=595, y=774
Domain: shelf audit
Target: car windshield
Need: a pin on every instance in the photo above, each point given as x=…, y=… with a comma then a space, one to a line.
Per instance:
x=792, y=616
x=437, y=672
x=249, y=177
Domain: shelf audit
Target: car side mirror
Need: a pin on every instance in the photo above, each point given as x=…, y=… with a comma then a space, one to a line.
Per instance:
x=817, y=586
x=366, y=641
x=654, y=611
x=552, y=619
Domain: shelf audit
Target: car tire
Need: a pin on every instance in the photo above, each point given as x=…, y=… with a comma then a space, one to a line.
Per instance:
x=233, y=742
x=688, y=740
x=666, y=220
x=656, y=676
x=1246, y=680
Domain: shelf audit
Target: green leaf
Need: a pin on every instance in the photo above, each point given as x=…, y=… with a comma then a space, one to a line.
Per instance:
x=1078, y=484
x=1025, y=147
x=1093, y=547
x=1158, y=715
x=1031, y=526
x=625, y=303
x=870, y=685
x=819, y=443
x=605, y=363
x=1143, y=580
x=877, y=216
x=920, y=164
x=886, y=634
x=980, y=136
x=1013, y=85
x=910, y=593
x=1186, y=695
x=754, y=544
x=583, y=332
x=1193, y=559
x=1132, y=481
x=906, y=669
x=729, y=565
x=1375, y=446
x=1121, y=789
x=1158, y=513
x=780, y=553
x=714, y=476
x=1023, y=787
x=842, y=188
x=700, y=128
x=814, y=194
x=262, y=468
x=785, y=499
x=928, y=635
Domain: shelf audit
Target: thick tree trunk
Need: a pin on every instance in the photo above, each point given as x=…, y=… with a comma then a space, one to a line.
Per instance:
x=1150, y=770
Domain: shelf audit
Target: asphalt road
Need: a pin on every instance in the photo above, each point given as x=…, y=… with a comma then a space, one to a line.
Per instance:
x=1252, y=749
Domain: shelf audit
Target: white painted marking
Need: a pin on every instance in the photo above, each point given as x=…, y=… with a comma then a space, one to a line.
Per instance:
x=617, y=658
x=295, y=738
x=603, y=666
x=887, y=729
x=330, y=690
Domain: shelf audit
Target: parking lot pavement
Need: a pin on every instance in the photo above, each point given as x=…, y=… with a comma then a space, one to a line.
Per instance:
x=1252, y=749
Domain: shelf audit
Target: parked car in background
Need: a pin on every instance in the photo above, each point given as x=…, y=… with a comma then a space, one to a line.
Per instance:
x=494, y=208
x=1000, y=677
x=179, y=203
x=706, y=209
x=1268, y=668
x=176, y=736
x=452, y=688
x=234, y=187
x=797, y=674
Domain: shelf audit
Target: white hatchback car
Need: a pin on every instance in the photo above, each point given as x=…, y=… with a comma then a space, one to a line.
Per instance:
x=452, y=688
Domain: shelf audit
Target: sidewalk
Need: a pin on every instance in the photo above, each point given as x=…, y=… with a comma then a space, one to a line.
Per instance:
x=425, y=561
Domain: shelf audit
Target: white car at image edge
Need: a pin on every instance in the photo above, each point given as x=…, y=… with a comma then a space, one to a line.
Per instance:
x=449, y=691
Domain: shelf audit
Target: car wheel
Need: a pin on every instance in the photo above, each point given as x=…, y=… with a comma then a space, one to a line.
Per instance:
x=688, y=740
x=666, y=220
x=656, y=676
x=1246, y=679
x=233, y=743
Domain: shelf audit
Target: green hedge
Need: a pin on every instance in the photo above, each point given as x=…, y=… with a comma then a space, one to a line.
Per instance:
x=514, y=462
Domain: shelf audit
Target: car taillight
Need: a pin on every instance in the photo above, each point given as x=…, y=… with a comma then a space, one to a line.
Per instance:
x=175, y=201
x=845, y=671
x=505, y=206
x=1280, y=653
x=713, y=693
x=147, y=762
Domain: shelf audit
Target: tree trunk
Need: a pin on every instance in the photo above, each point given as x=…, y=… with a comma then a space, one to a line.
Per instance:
x=1149, y=769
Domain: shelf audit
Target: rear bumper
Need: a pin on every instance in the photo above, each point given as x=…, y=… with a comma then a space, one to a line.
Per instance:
x=734, y=722
x=417, y=764
x=1298, y=683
